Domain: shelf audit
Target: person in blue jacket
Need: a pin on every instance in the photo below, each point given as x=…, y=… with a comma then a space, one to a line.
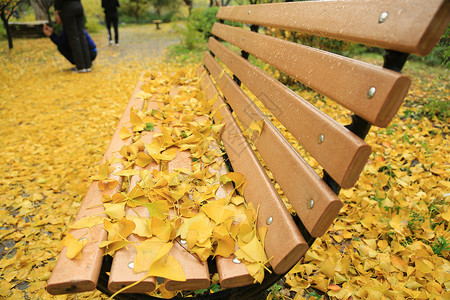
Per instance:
x=72, y=16
x=63, y=45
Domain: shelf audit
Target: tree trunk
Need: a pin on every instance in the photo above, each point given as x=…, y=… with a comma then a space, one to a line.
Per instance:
x=189, y=5
x=39, y=10
x=137, y=12
x=8, y=30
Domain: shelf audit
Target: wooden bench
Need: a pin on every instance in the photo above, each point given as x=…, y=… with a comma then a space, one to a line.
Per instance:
x=157, y=22
x=373, y=94
x=31, y=29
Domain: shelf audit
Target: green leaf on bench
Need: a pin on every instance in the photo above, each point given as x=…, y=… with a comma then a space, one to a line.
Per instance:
x=149, y=126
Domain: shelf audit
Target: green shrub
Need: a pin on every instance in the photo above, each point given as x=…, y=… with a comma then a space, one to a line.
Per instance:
x=197, y=29
x=202, y=20
x=429, y=109
x=93, y=25
x=440, y=54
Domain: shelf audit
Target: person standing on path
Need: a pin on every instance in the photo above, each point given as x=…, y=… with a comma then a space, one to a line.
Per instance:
x=112, y=17
x=72, y=15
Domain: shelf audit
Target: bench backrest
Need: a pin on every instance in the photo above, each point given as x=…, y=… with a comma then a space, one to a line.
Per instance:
x=371, y=93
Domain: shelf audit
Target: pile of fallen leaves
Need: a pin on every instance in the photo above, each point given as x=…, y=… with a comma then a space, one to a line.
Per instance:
x=183, y=204
x=391, y=239
x=392, y=236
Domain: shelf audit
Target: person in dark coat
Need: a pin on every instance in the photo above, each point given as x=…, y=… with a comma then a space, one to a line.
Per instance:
x=62, y=42
x=112, y=18
x=72, y=16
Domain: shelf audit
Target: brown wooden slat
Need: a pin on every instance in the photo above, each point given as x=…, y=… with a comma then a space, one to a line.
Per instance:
x=299, y=182
x=283, y=241
x=345, y=80
x=122, y=274
x=196, y=271
x=411, y=26
x=75, y=276
x=231, y=274
x=342, y=153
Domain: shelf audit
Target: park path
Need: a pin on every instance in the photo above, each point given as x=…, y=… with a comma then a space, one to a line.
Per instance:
x=136, y=44
x=55, y=126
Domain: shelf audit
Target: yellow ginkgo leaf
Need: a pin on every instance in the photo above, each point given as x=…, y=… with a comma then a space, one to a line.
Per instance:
x=158, y=209
x=220, y=231
x=147, y=251
x=74, y=246
x=165, y=293
x=143, y=159
x=262, y=231
x=127, y=173
x=237, y=200
x=87, y=222
x=246, y=233
x=161, y=229
x=143, y=226
x=446, y=215
x=119, y=230
x=136, y=121
x=184, y=228
x=143, y=95
x=112, y=246
x=136, y=197
x=217, y=213
x=107, y=184
x=254, y=130
x=202, y=252
x=237, y=178
x=217, y=129
x=191, y=238
x=168, y=154
x=124, y=133
x=104, y=182
x=103, y=171
x=115, y=210
x=252, y=251
x=167, y=267
x=256, y=270
x=225, y=247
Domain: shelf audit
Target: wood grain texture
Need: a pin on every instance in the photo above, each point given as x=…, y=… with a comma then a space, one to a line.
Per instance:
x=231, y=274
x=411, y=26
x=283, y=243
x=342, y=153
x=75, y=276
x=195, y=270
x=122, y=274
x=299, y=182
x=344, y=80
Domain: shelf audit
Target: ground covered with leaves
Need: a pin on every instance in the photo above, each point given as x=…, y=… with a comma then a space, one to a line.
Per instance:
x=391, y=239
